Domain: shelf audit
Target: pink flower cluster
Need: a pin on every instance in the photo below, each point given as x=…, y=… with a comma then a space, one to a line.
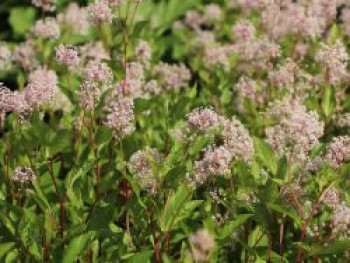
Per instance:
x=236, y=143
x=173, y=76
x=333, y=60
x=5, y=57
x=248, y=88
x=202, y=243
x=338, y=151
x=212, y=14
x=341, y=221
x=303, y=18
x=23, y=175
x=25, y=55
x=119, y=114
x=237, y=140
x=67, y=55
x=46, y=5
x=203, y=119
x=47, y=28
x=89, y=95
x=296, y=133
x=98, y=72
x=75, y=19
x=144, y=164
x=100, y=12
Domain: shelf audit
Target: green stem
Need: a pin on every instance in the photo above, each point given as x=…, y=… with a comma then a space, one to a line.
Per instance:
x=60, y=200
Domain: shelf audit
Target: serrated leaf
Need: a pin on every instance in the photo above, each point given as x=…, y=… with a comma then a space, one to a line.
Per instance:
x=199, y=143
x=39, y=197
x=135, y=188
x=187, y=210
x=229, y=227
x=173, y=206
x=7, y=223
x=265, y=154
x=76, y=247
x=285, y=211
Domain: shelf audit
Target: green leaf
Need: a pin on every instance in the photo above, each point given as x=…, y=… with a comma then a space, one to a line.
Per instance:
x=333, y=248
x=141, y=257
x=2, y=196
x=12, y=256
x=226, y=97
x=7, y=223
x=77, y=185
x=167, y=12
x=269, y=193
x=266, y=156
x=286, y=211
x=199, y=143
x=139, y=28
x=104, y=135
x=76, y=247
x=135, y=188
x=6, y=248
x=328, y=101
x=228, y=228
x=187, y=210
x=59, y=142
x=39, y=197
x=50, y=225
x=265, y=254
x=28, y=230
x=173, y=206
x=102, y=215
x=171, y=161
x=334, y=34
x=22, y=19
x=282, y=171
x=192, y=92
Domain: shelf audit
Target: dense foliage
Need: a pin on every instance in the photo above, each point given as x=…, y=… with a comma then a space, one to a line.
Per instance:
x=175, y=131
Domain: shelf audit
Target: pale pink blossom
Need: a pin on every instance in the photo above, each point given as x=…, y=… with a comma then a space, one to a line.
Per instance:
x=47, y=28
x=100, y=12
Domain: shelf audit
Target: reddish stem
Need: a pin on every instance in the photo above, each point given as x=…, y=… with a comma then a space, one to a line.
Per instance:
x=156, y=249
x=88, y=255
x=168, y=239
x=46, y=249
x=270, y=245
x=307, y=222
x=156, y=240
x=281, y=238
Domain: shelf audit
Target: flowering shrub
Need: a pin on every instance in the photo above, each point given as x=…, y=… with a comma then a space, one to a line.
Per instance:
x=175, y=131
